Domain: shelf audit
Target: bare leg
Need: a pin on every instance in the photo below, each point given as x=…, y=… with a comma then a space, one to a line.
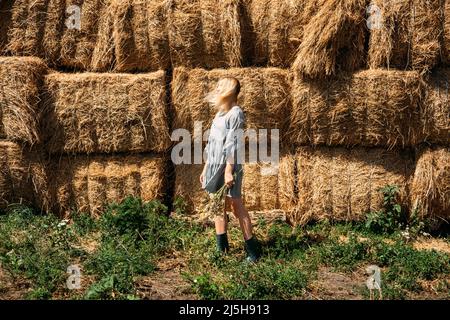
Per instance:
x=221, y=222
x=241, y=213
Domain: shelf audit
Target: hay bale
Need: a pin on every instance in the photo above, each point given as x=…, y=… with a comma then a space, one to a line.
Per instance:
x=20, y=81
x=342, y=184
x=333, y=39
x=205, y=33
x=436, y=118
x=430, y=188
x=39, y=28
x=427, y=32
x=265, y=187
x=23, y=177
x=27, y=27
x=264, y=96
x=53, y=31
x=140, y=35
x=409, y=37
x=390, y=43
x=5, y=18
x=90, y=112
x=77, y=46
x=103, y=57
x=367, y=108
x=88, y=184
x=273, y=29
x=447, y=32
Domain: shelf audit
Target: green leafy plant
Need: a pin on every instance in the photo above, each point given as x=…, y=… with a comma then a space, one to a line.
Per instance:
x=391, y=217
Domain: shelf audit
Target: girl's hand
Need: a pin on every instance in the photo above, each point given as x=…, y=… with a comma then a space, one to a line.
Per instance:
x=202, y=177
x=229, y=179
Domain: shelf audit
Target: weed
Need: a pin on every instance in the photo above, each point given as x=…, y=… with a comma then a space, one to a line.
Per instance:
x=391, y=217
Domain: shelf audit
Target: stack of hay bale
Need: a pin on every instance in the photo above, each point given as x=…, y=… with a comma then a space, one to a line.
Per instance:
x=22, y=170
x=358, y=108
x=107, y=135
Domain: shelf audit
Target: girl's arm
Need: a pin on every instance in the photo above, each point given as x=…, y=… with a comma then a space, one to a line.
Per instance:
x=233, y=143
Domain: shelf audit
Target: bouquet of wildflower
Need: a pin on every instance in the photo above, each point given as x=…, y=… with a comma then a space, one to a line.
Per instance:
x=215, y=204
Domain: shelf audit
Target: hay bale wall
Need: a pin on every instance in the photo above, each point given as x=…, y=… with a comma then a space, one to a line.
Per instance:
x=333, y=40
x=430, y=188
x=342, y=184
x=264, y=97
x=367, y=108
x=20, y=81
x=436, y=115
x=92, y=112
x=265, y=187
x=23, y=177
x=205, y=33
x=409, y=37
x=88, y=184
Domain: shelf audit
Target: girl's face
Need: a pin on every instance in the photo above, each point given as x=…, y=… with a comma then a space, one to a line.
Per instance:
x=222, y=95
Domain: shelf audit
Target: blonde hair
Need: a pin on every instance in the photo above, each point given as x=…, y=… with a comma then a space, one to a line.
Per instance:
x=227, y=88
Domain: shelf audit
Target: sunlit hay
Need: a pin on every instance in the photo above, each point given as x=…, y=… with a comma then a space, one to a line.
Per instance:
x=103, y=56
x=409, y=36
x=104, y=112
x=260, y=186
x=140, y=35
x=343, y=185
x=88, y=184
x=436, y=110
x=447, y=33
x=367, y=108
x=430, y=188
x=27, y=25
x=205, y=33
x=274, y=30
x=77, y=45
x=53, y=31
x=23, y=177
x=333, y=40
x=20, y=82
x=426, y=34
x=390, y=40
x=264, y=96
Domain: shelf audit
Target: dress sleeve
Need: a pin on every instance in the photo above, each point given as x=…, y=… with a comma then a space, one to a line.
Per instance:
x=235, y=134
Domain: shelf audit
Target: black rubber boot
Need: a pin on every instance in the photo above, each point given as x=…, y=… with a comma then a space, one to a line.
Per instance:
x=222, y=242
x=253, y=249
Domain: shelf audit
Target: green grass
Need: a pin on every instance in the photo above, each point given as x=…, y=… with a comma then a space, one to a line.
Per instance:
x=131, y=237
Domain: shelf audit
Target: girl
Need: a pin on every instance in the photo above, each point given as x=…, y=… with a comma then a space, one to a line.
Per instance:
x=223, y=166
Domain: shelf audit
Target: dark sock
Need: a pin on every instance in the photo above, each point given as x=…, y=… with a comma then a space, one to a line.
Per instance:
x=253, y=249
x=222, y=242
